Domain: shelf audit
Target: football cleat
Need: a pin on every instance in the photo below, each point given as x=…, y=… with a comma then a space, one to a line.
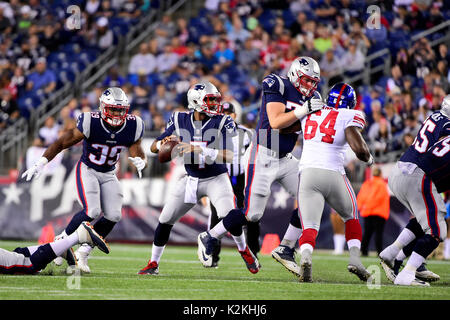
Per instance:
x=422, y=273
x=250, y=260
x=69, y=256
x=355, y=266
x=390, y=273
x=151, y=268
x=82, y=259
x=206, y=245
x=286, y=256
x=306, y=266
x=87, y=234
x=406, y=278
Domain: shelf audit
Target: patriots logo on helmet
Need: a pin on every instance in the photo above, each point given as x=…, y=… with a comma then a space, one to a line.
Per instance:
x=199, y=87
x=304, y=62
x=107, y=93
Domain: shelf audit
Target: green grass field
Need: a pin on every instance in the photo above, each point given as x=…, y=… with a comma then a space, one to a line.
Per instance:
x=183, y=277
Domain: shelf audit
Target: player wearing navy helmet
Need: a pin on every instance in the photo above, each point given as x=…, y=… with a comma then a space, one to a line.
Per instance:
x=105, y=133
x=326, y=136
x=422, y=173
x=206, y=144
x=269, y=159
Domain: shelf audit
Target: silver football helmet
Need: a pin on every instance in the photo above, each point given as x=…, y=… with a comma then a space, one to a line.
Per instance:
x=114, y=106
x=445, y=106
x=304, y=74
x=204, y=97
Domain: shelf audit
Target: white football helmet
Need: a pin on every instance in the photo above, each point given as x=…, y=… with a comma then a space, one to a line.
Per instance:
x=114, y=106
x=304, y=74
x=445, y=106
x=204, y=97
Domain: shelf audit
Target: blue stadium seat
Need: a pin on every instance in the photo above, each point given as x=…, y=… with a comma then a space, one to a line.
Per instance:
x=288, y=18
x=267, y=20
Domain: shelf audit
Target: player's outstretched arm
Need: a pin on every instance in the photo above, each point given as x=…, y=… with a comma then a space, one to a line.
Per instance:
x=358, y=145
x=68, y=139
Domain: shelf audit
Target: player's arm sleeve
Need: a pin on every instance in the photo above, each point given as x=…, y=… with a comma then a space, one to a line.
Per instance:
x=84, y=124
x=228, y=132
x=140, y=128
x=355, y=119
x=170, y=128
x=273, y=89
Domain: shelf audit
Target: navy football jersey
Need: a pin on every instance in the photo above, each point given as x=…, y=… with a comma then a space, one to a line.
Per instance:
x=433, y=129
x=437, y=160
x=277, y=89
x=102, y=144
x=213, y=132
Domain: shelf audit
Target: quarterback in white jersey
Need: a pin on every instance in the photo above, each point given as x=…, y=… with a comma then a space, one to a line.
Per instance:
x=326, y=136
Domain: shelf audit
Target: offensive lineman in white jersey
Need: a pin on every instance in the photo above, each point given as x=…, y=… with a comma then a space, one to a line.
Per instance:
x=326, y=135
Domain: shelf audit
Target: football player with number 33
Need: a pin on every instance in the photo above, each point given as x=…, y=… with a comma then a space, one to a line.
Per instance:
x=105, y=134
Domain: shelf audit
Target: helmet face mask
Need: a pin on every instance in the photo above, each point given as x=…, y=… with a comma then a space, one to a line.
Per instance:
x=304, y=74
x=205, y=98
x=114, y=106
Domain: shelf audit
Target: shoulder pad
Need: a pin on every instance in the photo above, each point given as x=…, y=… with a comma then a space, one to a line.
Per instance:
x=273, y=83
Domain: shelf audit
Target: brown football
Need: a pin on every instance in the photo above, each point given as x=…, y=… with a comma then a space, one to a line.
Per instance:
x=165, y=153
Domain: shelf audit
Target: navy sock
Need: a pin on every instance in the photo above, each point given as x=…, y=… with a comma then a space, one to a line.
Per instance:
x=408, y=249
x=426, y=245
x=415, y=228
x=77, y=219
x=23, y=251
x=104, y=226
x=234, y=221
x=162, y=234
x=295, y=219
x=43, y=256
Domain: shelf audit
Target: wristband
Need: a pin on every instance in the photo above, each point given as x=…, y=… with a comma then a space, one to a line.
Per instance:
x=370, y=161
x=300, y=112
x=158, y=145
x=42, y=161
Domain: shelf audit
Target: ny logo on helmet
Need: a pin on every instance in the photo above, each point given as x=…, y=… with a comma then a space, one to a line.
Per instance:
x=304, y=62
x=199, y=87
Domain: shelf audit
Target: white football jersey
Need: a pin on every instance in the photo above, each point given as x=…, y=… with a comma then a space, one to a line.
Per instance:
x=324, y=142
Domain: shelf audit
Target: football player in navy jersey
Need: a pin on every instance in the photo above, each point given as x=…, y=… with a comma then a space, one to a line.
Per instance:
x=284, y=102
x=206, y=144
x=104, y=134
x=422, y=172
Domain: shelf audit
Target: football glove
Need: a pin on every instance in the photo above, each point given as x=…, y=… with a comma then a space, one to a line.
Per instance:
x=308, y=107
x=139, y=163
x=35, y=170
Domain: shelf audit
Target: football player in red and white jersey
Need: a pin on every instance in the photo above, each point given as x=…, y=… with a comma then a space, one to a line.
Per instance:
x=326, y=136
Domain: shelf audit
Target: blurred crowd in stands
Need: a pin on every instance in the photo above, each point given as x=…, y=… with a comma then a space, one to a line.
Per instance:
x=234, y=44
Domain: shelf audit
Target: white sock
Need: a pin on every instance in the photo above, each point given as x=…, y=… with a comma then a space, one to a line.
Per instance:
x=85, y=248
x=157, y=253
x=306, y=246
x=240, y=242
x=414, y=261
x=339, y=243
x=354, y=243
x=401, y=256
x=404, y=238
x=218, y=231
x=62, y=245
x=447, y=249
x=291, y=236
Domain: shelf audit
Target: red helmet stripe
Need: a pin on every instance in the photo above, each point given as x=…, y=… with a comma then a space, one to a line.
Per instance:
x=340, y=94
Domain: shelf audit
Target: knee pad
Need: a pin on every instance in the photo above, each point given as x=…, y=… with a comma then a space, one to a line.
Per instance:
x=255, y=217
x=93, y=213
x=415, y=227
x=114, y=216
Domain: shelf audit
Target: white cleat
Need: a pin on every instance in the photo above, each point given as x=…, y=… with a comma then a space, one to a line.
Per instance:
x=306, y=266
x=422, y=273
x=82, y=260
x=406, y=278
x=390, y=274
